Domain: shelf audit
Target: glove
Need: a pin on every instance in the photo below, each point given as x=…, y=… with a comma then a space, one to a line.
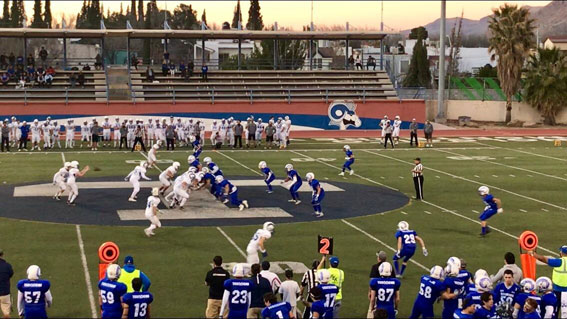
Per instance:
x=500, y=210
x=425, y=253
x=398, y=254
x=264, y=254
x=316, y=198
x=486, y=207
x=396, y=312
x=347, y=158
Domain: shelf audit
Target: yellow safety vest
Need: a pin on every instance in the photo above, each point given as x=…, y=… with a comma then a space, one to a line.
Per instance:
x=559, y=277
x=337, y=278
x=127, y=277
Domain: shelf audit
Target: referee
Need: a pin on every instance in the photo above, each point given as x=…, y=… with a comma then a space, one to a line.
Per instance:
x=307, y=283
x=417, y=173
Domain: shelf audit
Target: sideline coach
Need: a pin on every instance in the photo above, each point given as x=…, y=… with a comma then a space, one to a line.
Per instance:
x=417, y=173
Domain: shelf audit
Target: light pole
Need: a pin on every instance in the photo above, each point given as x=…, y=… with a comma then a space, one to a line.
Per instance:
x=441, y=117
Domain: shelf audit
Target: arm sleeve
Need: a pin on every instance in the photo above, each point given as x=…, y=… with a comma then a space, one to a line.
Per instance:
x=498, y=276
x=548, y=312
x=554, y=262
x=145, y=177
x=129, y=175
x=146, y=283
x=20, y=303
x=48, y=298
x=225, y=297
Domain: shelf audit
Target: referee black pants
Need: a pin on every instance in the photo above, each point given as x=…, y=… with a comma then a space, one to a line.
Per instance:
x=418, y=183
x=386, y=138
x=412, y=136
x=139, y=140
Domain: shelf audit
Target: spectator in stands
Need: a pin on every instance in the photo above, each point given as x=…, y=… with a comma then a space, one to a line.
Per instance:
x=150, y=76
x=43, y=56
x=30, y=69
x=25, y=129
x=21, y=81
x=371, y=62
x=50, y=70
x=40, y=79
x=5, y=79
x=6, y=273
x=164, y=68
x=40, y=69
x=170, y=137
x=81, y=79
x=73, y=79
x=183, y=70
x=166, y=56
x=20, y=61
x=134, y=61
x=509, y=263
x=428, y=131
x=171, y=67
x=190, y=67
x=11, y=73
x=358, y=61
x=75, y=68
x=238, y=129
x=12, y=59
x=215, y=280
x=5, y=132
x=413, y=132
x=351, y=62
x=98, y=61
x=30, y=60
x=86, y=67
x=260, y=287
x=30, y=76
x=205, y=73
x=3, y=61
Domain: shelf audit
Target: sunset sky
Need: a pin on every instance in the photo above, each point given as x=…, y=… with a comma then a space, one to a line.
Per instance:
x=364, y=14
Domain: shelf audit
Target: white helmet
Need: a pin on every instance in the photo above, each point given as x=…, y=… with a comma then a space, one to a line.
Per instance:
x=219, y=179
x=67, y=164
x=199, y=176
x=192, y=169
x=262, y=165
x=106, y=117
x=346, y=147
x=286, y=117
x=437, y=272
x=288, y=167
x=143, y=163
x=453, y=266
x=323, y=276
x=528, y=285
x=482, y=281
x=156, y=146
x=397, y=117
x=191, y=158
x=155, y=191
x=403, y=225
x=385, y=269
x=483, y=190
x=34, y=272
x=113, y=272
x=207, y=160
x=544, y=284
x=190, y=177
x=74, y=164
x=35, y=121
x=238, y=270
x=309, y=176
x=176, y=165
x=205, y=170
x=269, y=226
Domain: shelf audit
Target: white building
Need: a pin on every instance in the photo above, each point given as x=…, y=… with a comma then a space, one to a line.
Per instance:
x=217, y=51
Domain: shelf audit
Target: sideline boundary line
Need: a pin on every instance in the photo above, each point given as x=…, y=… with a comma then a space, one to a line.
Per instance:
x=525, y=152
x=86, y=270
x=232, y=242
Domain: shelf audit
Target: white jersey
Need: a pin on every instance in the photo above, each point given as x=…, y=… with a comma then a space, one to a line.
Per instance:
x=56, y=129
x=70, y=128
x=279, y=126
x=383, y=123
x=72, y=175
x=179, y=127
x=397, y=124
x=106, y=125
x=35, y=129
x=284, y=131
x=288, y=126
x=274, y=280
x=46, y=130
x=152, y=154
x=289, y=289
x=138, y=173
x=255, y=241
x=202, y=127
x=152, y=202
x=85, y=130
x=14, y=127
x=260, y=128
x=223, y=128
x=170, y=170
x=214, y=128
x=116, y=126
x=131, y=127
x=61, y=175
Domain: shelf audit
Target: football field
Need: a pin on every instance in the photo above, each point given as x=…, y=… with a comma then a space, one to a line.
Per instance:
x=528, y=174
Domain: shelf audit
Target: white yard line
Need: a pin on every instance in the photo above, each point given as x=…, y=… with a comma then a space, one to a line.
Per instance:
x=526, y=152
x=427, y=212
x=382, y=243
x=144, y=155
x=232, y=242
x=475, y=182
x=63, y=157
x=86, y=270
x=237, y=162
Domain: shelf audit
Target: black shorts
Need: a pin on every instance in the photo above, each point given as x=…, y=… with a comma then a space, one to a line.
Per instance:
x=269, y=138
x=251, y=137
x=428, y=135
x=95, y=138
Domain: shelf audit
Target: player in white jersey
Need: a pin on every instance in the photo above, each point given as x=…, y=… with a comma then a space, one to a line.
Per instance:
x=131, y=127
x=74, y=172
x=151, y=212
x=150, y=132
x=288, y=128
x=157, y=131
x=278, y=135
x=60, y=180
x=396, y=131
x=46, y=132
x=163, y=128
x=116, y=132
x=257, y=243
x=230, y=131
x=383, y=127
x=69, y=134
x=85, y=133
x=152, y=158
x=181, y=189
x=222, y=130
x=106, y=129
x=259, y=131
x=167, y=175
x=134, y=177
x=202, y=129
x=215, y=128
x=283, y=136
x=55, y=134
x=15, y=131
x=35, y=130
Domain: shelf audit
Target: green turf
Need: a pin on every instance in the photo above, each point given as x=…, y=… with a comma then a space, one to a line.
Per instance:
x=531, y=181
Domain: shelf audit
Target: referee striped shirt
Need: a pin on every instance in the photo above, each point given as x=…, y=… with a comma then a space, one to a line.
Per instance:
x=309, y=279
x=417, y=170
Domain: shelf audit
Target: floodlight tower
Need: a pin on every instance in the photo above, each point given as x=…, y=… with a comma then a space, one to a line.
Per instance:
x=441, y=86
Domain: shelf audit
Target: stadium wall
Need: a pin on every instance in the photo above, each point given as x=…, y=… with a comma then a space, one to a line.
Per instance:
x=306, y=115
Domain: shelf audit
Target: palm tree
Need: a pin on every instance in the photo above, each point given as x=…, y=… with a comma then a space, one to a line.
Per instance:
x=511, y=38
x=545, y=85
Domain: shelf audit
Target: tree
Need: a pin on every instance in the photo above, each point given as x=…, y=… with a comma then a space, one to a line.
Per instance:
x=487, y=71
x=545, y=82
x=455, y=50
x=47, y=14
x=237, y=16
x=90, y=15
x=18, y=14
x=140, y=12
x=416, y=32
x=133, y=15
x=184, y=18
x=418, y=73
x=511, y=38
x=290, y=55
x=37, y=21
x=255, y=21
x=6, y=14
x=204, y=17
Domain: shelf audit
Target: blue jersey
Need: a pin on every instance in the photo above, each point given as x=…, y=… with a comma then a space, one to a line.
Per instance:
x=320, y=308
x=548, y=300
x=505, y=295
x=532, y=315
x=268, y=174
x=293, y=174
x=474, y=296
x=138, y=303
x=521, y=300
x=330, y=292
x=315, y=184
x=197, y=151
x=385, y=289
x=489, y=201
x=34, y=297
x=111, y=293
x=348, y=153
x=457, y=286
x=223, y=184
x=239, y=299
x=482, y=313
x=277, y=311
x=408, y=239
x=214, y=169
x=195, y=163
x=429, y=290
x=458, y=314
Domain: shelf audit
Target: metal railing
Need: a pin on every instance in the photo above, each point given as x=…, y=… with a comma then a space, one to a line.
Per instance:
x=65, y=94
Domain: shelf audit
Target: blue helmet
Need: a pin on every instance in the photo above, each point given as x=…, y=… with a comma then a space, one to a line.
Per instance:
x=334, y=261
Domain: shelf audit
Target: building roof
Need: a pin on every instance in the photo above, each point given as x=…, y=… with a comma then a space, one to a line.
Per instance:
x=191, y=34
x=557, y=39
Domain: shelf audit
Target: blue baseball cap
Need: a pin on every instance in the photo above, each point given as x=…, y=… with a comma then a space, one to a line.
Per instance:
x=563, y=249
x=334, y=261
x=128, y=260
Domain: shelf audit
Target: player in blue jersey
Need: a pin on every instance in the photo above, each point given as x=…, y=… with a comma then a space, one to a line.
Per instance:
x=137, y=304
x=111, y=292
x=487, y=310
x=269, y=176
x=213, y=168
x=385, y=291
x=349, y=160
x=295, y=179
x=528, y=288
x=209, y=181
x=275, y=309
x=493, y=207
x=506, y=291
x=430, y=289
x=237, y=294
x=317, y=306
x=548, y=303
x=227, y=190
x=34, y=295
x=482, y=283
x=467, y=311
x=531, y=309
x=197, y=149
x=193, y=161
x=328, y=292
x=406, y=247
x=454, y=286
x=318, y=194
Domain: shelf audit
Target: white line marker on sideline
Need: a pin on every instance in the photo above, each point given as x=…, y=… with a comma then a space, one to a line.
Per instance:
x=545, y=210
x=495, y=176
x=477, y=176
x=63, y=158
x=403, y=212
x=232, y=242
x=523, y=210
x=428, y=213
x=475, y=211
x=86, y=270
x=237, y=162
x=511, y=175
x=437, y=176
x=382, y=243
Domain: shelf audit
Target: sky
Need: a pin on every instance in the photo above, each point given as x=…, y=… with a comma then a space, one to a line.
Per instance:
x=398, y=15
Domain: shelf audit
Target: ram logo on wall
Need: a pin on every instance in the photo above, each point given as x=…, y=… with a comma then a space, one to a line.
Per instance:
x=343, y=115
